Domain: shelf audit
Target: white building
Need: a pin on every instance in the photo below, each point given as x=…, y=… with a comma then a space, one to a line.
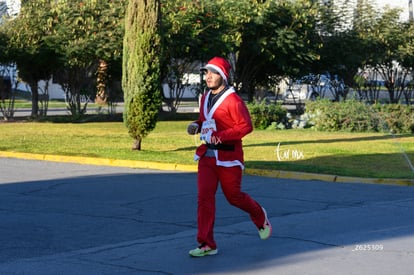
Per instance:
x=401, y=4
x=9, y=7
x=347, y=6
x=13, y=7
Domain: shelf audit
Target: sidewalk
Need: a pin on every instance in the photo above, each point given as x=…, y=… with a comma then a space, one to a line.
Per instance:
x=95, y=109
x=65, y=218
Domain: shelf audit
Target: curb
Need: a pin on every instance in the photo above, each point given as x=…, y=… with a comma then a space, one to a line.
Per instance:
x=193, y=168
x=101, y=161
x=327, y=178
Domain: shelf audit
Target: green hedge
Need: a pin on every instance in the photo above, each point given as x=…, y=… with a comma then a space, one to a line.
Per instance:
x=264, y=115
x=356, y=116
x=396, y=117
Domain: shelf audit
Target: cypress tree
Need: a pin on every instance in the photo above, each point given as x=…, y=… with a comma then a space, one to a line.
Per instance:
x=141, y=68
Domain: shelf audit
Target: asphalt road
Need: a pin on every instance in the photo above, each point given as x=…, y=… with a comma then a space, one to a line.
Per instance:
x=63, y=218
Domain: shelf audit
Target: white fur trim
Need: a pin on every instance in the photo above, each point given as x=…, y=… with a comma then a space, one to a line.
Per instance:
x=217, y=69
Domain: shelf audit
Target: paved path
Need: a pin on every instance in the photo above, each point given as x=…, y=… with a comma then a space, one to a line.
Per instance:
x=118, y=108
x=62, y=218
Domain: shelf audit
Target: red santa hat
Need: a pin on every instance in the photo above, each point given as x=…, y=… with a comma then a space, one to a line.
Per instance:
x=218, y=65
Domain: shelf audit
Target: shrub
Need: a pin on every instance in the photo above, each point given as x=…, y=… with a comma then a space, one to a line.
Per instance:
x=396, y=118
x=263, y=115
x=349, y=115
x=356, y=116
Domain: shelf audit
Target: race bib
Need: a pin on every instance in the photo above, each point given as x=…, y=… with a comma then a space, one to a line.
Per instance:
x=207, y=129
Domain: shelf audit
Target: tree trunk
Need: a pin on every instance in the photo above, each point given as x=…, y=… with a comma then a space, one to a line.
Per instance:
x=137, y=144
x=35, y=99
x=101, y=81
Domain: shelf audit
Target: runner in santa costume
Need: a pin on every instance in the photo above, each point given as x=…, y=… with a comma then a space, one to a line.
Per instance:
x=223, y=121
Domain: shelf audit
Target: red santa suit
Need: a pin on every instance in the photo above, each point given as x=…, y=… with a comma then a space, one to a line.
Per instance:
x=232, y=122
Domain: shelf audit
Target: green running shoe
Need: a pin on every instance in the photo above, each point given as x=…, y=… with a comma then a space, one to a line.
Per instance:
x=266, y=230
x=203, y=250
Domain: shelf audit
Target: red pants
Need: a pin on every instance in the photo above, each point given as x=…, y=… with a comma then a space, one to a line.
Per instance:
x=209, y=175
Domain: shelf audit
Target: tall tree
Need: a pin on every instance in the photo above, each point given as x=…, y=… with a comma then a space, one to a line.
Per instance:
x=34, y=59
x=386, y=37
x=281, y=41
x=342, y=52
x=87, y=36
x=192, y=32
x=68, y=39
x=141, y=68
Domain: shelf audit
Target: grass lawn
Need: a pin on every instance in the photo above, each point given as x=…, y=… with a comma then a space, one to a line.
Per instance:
x=370, y=155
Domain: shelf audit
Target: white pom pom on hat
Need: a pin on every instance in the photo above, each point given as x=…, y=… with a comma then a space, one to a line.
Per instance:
x=218, y=65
